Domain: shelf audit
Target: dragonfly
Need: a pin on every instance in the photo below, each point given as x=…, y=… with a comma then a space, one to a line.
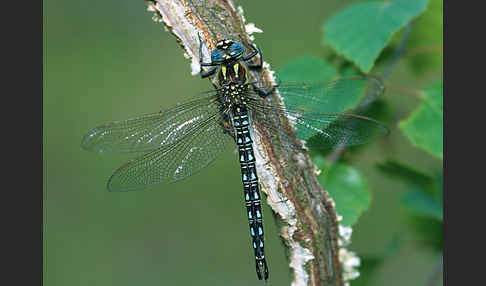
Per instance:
x=177, y=142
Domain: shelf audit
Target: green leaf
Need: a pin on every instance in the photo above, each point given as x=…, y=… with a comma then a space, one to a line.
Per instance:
x=361, y=31
x=426, y=39
x=424, y=126
x=307, y=69
x=406, y=173
x=440, y=184
x=425, y=195
x=420, y=203
x=346, y=187
x=425, y=205
x=428, y=231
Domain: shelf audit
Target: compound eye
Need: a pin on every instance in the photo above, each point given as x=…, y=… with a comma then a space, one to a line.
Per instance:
x=236, y=49
x=217, y=56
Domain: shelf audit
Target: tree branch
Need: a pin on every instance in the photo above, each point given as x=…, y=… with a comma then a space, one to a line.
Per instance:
x=302, y=208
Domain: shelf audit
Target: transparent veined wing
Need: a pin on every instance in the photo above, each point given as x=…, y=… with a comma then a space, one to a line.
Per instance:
x=199, y=147
x=322, y=111
x=334, y=96
x=151, y=131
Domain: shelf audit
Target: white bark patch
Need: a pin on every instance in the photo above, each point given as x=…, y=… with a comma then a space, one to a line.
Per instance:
x=242, y=14
x=251, y=28
x=298, y=259
x=349, y=260
x=269, y=182
x=345, y=235
x=174, y=16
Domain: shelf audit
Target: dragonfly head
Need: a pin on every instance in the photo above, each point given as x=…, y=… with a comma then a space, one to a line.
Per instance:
x=227, y=51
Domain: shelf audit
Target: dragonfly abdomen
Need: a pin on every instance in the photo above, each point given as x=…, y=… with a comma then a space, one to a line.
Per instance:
x=251, y=191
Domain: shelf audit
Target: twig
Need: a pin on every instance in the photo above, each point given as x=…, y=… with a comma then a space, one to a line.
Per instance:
x=424, y=50
x=404, y=90
x=307, y=218
x=398, y=52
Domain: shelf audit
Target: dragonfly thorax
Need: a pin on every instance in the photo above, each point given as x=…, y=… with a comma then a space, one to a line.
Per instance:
x=233, y=95
x=234, y=72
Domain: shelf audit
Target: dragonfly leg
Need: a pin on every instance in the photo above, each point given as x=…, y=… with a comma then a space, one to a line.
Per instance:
x=261, y=91
x=256, y=51
x=205, y=74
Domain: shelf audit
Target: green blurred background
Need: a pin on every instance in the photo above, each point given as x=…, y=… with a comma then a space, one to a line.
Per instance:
x=107, y=60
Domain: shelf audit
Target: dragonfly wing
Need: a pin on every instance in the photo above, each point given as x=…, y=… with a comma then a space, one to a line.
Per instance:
x=338, y=95
x=176, y=161
x=328, y=131
x=316, y=109
x=151, y=131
